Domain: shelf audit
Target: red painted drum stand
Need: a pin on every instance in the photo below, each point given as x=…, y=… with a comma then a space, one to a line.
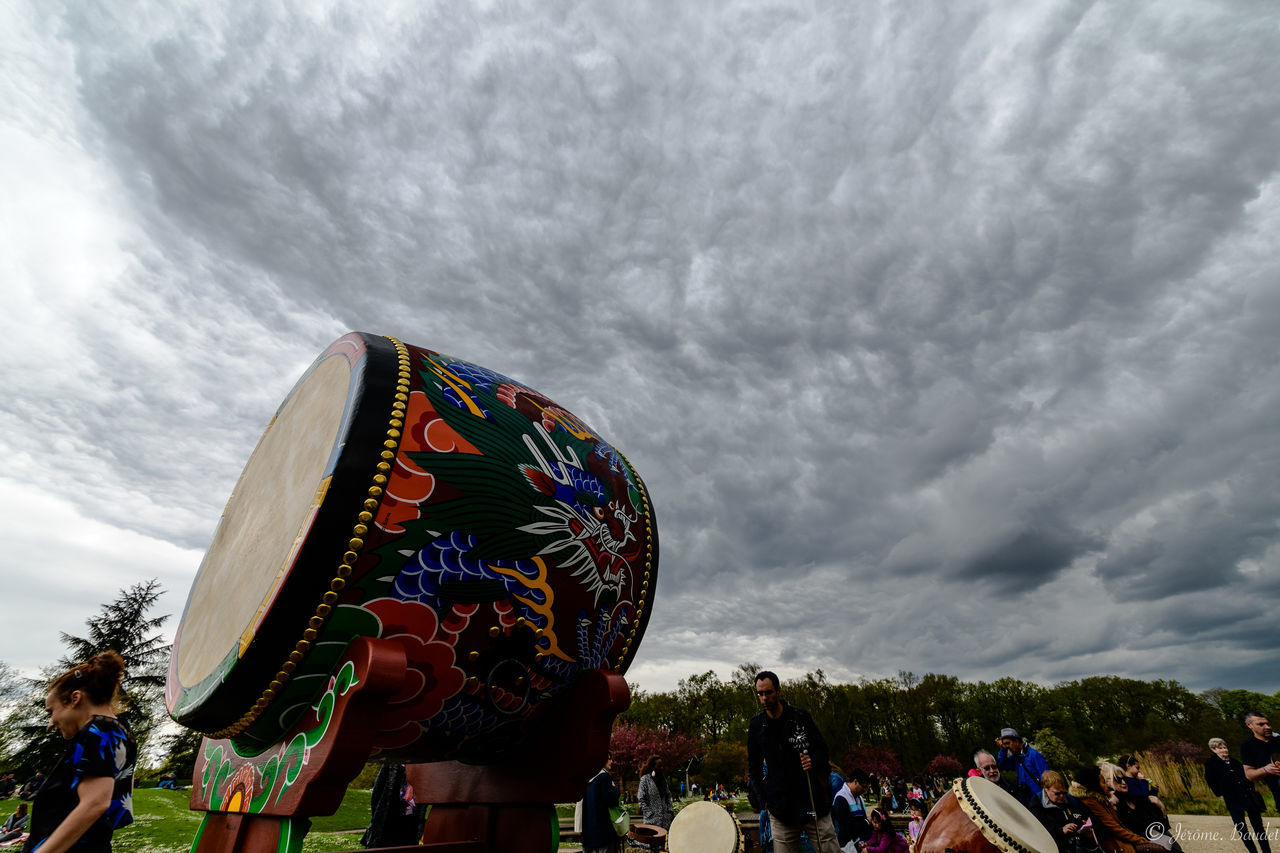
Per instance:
x=264, y=803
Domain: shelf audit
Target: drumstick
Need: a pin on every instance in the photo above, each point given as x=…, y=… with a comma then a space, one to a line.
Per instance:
x=817, y=833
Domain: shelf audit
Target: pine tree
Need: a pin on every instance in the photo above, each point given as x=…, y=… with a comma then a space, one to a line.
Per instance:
x=123, y=625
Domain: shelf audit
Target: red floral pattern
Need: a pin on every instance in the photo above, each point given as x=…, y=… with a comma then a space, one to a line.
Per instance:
x=432, y=677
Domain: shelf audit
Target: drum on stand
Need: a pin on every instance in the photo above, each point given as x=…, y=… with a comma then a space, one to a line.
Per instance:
x=978, y=816
x=704, y=827
x=407, y=495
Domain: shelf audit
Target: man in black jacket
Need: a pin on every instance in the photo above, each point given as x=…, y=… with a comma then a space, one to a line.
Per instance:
x=788, y=763
x=1258, y=754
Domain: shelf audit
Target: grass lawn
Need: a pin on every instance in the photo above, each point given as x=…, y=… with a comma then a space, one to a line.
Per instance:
x=162, y=823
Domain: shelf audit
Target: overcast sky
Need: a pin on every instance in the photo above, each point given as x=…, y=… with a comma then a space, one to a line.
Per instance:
x=943, y=334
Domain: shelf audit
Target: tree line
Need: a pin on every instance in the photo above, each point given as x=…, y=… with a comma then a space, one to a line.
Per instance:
x=916, y=724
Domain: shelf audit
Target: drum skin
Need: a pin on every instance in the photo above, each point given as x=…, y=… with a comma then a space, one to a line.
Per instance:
x=407, y=495
x=704, y=827
x=978, y=816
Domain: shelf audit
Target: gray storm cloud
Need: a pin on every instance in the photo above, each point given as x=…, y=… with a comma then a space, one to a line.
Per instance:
x=924, y=325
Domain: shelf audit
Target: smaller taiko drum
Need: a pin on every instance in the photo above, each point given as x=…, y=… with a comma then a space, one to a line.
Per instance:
x=978, y=816
x=704, y=827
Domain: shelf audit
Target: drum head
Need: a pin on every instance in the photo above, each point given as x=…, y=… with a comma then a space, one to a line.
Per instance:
x=257, y=561
x=1000, y=818
x=704, y=827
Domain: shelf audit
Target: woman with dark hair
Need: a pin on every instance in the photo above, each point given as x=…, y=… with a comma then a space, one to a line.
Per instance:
x=655, y=795
x=1226, y=778
x=17, y=824
x=89, y=794
x=1113, y=836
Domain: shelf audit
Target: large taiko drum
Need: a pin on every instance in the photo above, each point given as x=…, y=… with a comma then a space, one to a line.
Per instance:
x=704, y=827
x=403, y=494
x=978, y=816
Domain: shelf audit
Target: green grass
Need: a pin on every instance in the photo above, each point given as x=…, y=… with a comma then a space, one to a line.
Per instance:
x=162, y=823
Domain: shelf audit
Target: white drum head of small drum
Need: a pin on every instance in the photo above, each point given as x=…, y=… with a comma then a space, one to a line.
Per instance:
x=704, y=827
x=1000, y=818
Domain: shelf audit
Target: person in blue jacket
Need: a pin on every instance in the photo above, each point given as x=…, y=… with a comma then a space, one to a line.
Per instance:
x=1016, y=756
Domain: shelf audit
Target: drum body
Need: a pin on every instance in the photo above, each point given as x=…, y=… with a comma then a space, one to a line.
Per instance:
x=978, y=816
x=704, y=827
x=403, y=494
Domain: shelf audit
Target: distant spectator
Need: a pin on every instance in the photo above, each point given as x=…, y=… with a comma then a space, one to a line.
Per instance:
x=836, y=780
x=598, y=835
x=1060, y=813
x=1139, y=787
x=1024, y=764
x=883, y=839
x=1226, y=778
x=849, y=811
x=1258, y=754
x=32, y=785
x=1113, y=836
x=1126, y=809
x=15, y=826
x=1139, y=809
x=917, y=810
x=654, y=795
x=8, y=787
x=394, y=817
x=898, y=794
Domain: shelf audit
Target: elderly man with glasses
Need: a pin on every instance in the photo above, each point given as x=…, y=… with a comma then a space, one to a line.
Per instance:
x=990, y=770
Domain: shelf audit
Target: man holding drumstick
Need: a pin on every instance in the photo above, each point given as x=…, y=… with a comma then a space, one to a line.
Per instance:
x=787, y=762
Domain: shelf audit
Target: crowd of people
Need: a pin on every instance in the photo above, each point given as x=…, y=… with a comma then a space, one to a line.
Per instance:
x=807, y=805
x=1107, y=806
x=804, y=802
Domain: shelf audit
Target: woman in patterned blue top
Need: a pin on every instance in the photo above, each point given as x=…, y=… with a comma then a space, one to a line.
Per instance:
x=90, y=793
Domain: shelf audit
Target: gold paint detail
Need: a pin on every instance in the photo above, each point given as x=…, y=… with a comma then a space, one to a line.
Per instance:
x=539, y=583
